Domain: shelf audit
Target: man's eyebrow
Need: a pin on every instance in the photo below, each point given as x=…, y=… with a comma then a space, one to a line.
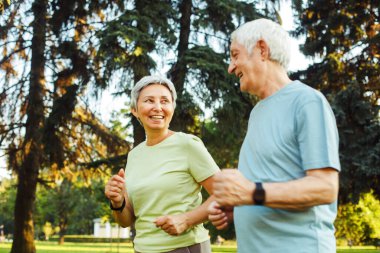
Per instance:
x=152, y=96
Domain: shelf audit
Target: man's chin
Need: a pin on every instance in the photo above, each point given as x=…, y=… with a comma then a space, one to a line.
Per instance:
x=243, y=87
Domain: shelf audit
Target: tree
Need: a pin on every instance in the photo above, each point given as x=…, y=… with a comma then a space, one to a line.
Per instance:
x=62, y=205
x=344, y=37
x=48, y=64
x=359, y=222
x=192, y=37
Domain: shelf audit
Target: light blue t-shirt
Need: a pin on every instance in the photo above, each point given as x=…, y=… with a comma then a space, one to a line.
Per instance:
x=290, y=132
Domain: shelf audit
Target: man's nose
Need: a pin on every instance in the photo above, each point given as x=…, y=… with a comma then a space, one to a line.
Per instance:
x=231, y=67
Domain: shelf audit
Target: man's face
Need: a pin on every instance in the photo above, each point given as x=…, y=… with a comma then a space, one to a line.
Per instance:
x=247, y=67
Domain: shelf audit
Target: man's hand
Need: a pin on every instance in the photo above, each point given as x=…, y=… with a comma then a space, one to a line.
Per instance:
x=220, y=217
x=231, y=188
x=115, y=189
x=173, y=224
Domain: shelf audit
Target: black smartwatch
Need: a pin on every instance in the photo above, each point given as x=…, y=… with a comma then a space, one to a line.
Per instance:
x=259, y=194
x=120, y=209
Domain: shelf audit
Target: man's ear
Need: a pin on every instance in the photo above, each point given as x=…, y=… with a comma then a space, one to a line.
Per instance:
x=264, y=49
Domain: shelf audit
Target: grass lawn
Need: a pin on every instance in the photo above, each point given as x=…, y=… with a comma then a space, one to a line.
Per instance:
x=68, y=247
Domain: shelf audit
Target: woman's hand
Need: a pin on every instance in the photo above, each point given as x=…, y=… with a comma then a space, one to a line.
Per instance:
x=219, y=216
x=173, y=224
x=115, y=189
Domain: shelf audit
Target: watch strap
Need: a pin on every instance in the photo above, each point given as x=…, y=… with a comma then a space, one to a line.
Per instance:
x=120, y=209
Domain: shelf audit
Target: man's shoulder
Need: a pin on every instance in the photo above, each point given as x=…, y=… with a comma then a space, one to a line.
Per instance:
x=306, y=93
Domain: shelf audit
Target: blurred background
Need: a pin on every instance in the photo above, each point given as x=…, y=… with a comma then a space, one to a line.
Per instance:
x=67, y=68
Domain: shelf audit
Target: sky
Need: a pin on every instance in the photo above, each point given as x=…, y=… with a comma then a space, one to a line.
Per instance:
x=108, y=103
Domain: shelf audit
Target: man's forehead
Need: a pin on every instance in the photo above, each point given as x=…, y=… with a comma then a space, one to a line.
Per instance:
x=235, y=46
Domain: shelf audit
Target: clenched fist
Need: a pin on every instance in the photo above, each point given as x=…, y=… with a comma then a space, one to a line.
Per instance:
x=115, y=189
x=231, y=188
x=173, y=224
x=219, y=217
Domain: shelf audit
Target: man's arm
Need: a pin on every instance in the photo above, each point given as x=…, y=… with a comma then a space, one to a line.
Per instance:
x=318, y=187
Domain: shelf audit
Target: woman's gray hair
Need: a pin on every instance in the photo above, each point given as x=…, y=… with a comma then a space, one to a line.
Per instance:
x=148, y=80
x=273, y=34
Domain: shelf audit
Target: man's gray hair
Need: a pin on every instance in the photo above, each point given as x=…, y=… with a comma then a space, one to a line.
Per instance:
x=273, y=34
x=148, y=80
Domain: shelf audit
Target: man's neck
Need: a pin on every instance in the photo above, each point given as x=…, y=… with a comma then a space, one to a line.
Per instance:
x=276, y=79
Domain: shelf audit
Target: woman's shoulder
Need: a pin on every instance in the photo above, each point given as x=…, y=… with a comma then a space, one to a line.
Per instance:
x=186, y=138
x=137, y=148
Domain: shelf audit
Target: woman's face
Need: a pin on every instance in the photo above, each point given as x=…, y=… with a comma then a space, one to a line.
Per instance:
x=155, y=107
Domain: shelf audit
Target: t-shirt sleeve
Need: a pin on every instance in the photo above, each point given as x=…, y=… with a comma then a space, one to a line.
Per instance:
x=201, y=164
x=317, y=135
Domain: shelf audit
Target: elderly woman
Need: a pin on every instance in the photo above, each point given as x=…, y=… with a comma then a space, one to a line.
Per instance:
x=160, y=191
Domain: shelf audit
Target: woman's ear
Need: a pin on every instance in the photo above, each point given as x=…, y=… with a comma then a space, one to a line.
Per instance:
x=134, y=112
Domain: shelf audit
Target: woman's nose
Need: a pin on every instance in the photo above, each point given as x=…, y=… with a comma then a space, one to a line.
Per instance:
x=157, y=106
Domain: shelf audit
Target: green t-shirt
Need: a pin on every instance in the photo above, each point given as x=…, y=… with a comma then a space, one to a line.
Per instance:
x=164, y=180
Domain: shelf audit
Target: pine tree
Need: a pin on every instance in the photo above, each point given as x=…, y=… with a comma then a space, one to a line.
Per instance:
x=48, y=59
x=344, y=38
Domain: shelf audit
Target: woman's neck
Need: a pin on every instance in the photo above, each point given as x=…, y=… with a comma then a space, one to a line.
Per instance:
x=153, y=138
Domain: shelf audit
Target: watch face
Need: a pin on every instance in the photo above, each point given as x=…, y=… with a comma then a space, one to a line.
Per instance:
x=259, y=194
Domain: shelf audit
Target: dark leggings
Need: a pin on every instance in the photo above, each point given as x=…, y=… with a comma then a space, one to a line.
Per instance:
x=203, y=247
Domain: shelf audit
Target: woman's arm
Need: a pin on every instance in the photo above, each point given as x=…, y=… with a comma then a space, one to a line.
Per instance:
x=177, y=224
x=116, y=192
x=126, y=217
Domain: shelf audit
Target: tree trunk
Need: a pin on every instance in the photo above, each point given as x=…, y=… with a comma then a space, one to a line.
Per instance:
x=23, y=238
x=138, y=131
x=178, y=72
x=62, y=230
x=140, y=69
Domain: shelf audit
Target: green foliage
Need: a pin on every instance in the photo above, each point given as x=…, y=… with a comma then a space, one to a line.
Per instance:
x=47, y=129
x=71, y=207
x=359, y=222
x=7, y=202
x=197, y=34
x=344, y=37
x=359, y=130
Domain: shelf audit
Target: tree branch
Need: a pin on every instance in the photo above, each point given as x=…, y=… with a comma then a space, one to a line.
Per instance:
x=12, y=53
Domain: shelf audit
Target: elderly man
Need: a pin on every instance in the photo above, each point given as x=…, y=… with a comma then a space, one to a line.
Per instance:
x=285, y=189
